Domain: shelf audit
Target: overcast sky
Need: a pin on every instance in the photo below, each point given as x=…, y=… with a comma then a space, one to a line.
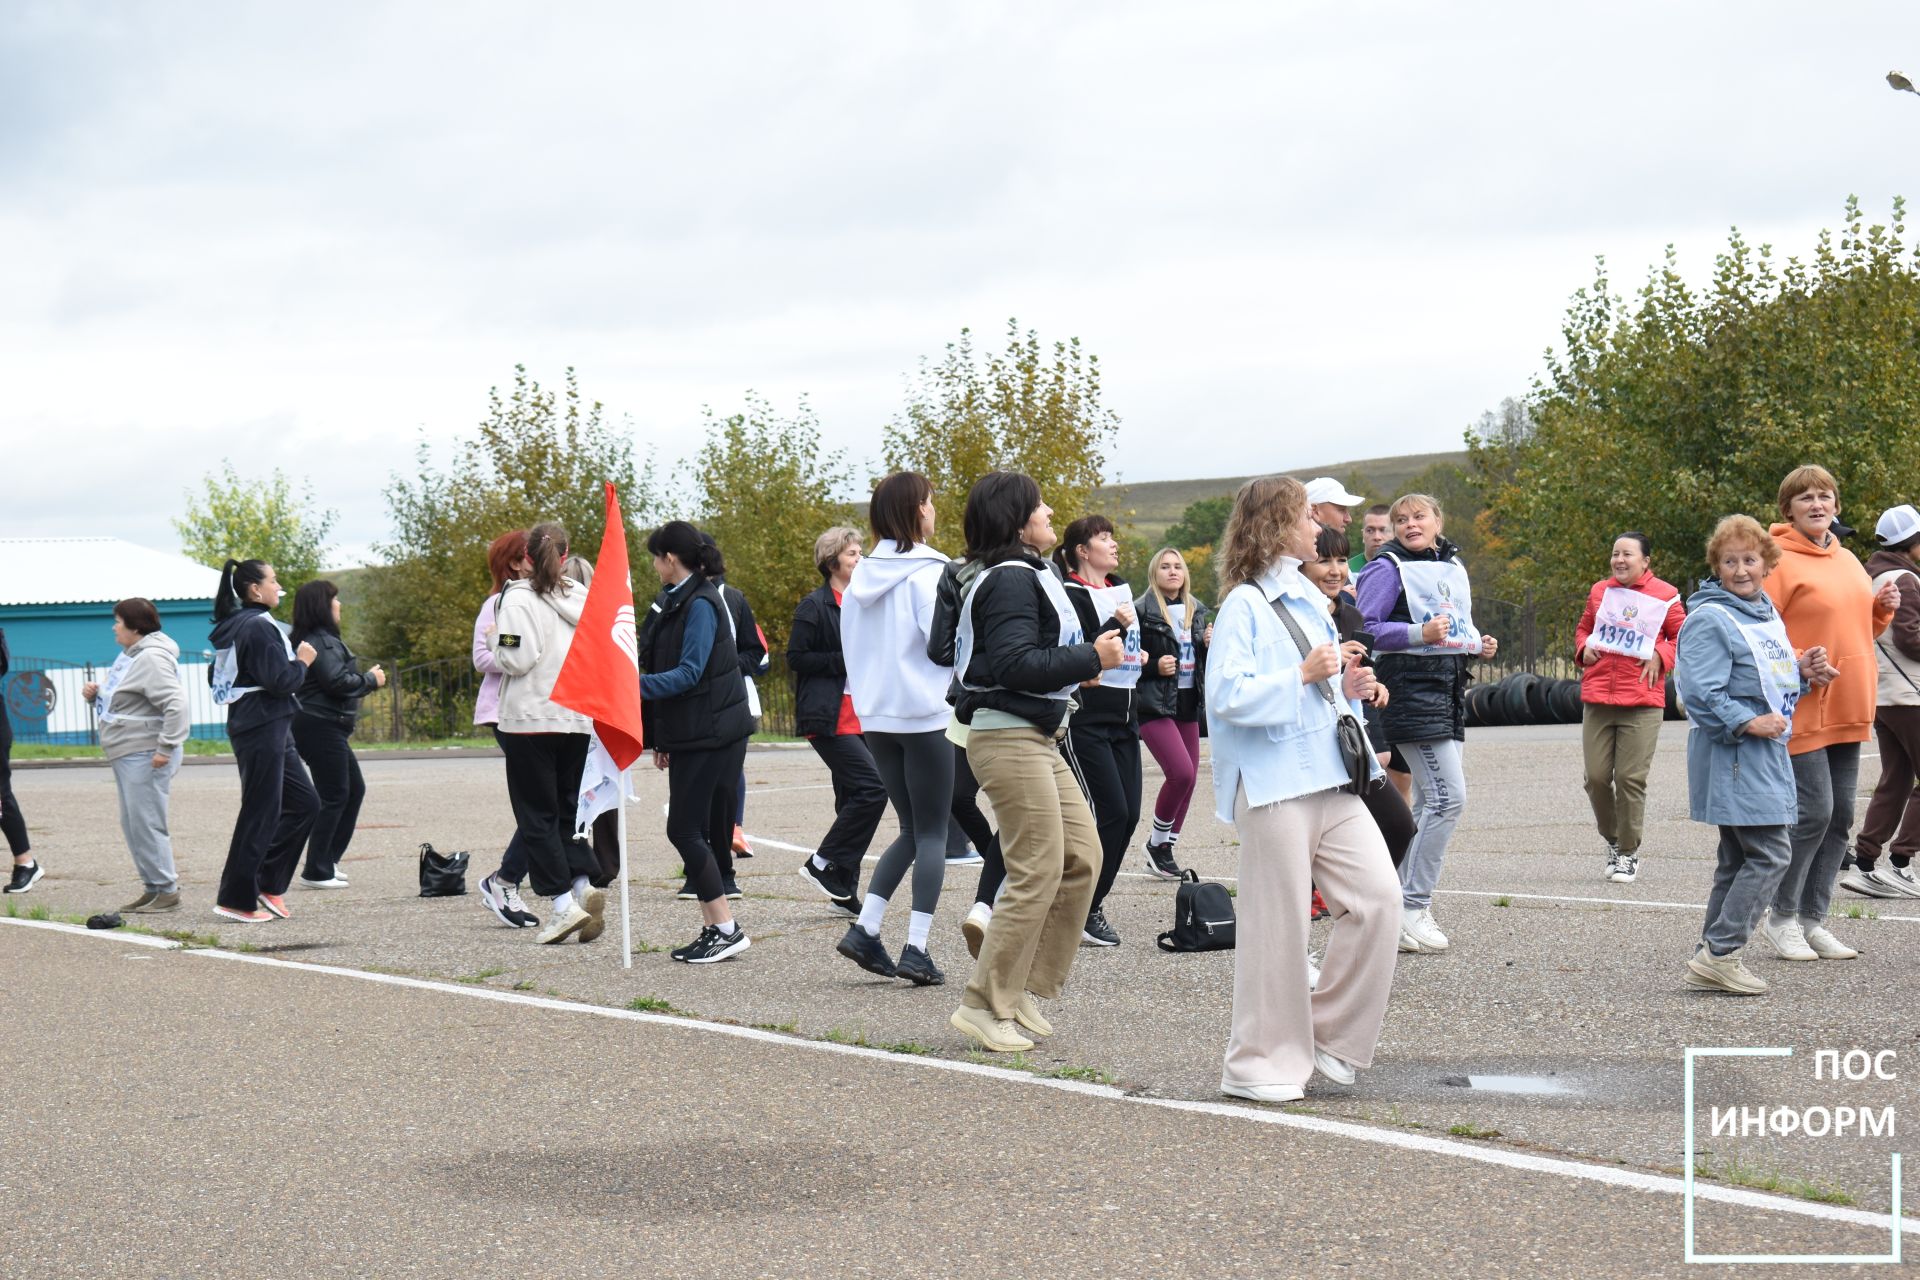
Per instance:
x=299, y=236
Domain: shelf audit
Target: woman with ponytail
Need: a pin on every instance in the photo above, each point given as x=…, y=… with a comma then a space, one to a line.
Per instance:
x=256, y=671
x=546, y=744
x=693, y=701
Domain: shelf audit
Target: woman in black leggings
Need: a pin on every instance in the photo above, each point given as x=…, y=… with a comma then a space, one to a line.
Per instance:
x=26, y=871
x=694, y=703
x=900, y=696
x=1103, y=736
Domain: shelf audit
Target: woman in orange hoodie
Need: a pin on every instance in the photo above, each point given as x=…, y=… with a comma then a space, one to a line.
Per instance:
x=1828, y=602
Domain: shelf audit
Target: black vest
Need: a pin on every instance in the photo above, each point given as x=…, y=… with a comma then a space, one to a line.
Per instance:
x=714, y=712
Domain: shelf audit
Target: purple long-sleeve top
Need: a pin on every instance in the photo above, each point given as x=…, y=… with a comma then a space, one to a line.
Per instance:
x=1377, y=591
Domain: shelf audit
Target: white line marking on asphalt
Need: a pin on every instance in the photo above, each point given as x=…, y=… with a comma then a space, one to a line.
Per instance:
x=811, y=786
x=1658, y=1184
x=137, y=939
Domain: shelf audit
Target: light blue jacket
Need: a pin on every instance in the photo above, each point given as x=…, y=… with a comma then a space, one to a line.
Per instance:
x=1271, y=734
x=1733, y=778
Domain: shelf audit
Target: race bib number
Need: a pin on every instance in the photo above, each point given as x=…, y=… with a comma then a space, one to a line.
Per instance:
x=1106, y=603
x=1628, y=622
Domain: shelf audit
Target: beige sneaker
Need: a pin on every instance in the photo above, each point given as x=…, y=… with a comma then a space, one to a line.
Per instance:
x=1028, y=1015
x=1708, y=972
x=139, y=903
x=1822, y=943
x=1787, y=939
x=974, y=928
x=154, y=903
x=565, y=924
x=996, y=1035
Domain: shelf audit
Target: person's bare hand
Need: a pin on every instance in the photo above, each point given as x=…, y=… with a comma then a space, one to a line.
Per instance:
x=90, y=690
x=305, y=653
x=1586, y=657
x=1124, y=612
x=1433, y=630
x=161, y=759
x=1208, y=639
x=1379, y=698
x=1359, y=683
x=659, y=759
x=1168, y=665
x=1488, y=646
x=1320, y=665
x=379, y=676
x=1111, y=647
x=1652, y=670
x=1352, y=651
x=1888, y=596
x=1770, y=725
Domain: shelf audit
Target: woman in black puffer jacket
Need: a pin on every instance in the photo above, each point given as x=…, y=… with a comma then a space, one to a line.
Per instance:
x=325, y=710
x=1174, y=628
x=823, y=713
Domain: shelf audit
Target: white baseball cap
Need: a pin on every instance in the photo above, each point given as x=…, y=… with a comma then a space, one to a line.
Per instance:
x=1896, y=524
x=1327, y=489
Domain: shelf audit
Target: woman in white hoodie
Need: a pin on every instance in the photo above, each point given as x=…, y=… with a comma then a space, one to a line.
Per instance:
x=900, y=696
x=546, y=744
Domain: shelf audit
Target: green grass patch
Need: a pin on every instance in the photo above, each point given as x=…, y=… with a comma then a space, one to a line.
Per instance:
x=912, y=1048
x=1859, y=911
x=650, y=1004
x=1091, y=1075
x=788, y=1027
x=1503, y=900
x=776, y=737
x=1760, y=1178
x=474, y=979
x=39, y=911
x=1471, y=1131
x=523, y=985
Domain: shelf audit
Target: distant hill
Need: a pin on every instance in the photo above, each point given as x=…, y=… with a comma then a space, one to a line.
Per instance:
x=1157, y=504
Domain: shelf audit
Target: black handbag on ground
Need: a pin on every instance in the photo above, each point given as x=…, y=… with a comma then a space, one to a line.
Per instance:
x=1356, y=753
x=442, y=875
x=1203, y=918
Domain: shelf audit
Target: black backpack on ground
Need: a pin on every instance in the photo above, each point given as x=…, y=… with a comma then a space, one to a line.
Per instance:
x=1203, y=918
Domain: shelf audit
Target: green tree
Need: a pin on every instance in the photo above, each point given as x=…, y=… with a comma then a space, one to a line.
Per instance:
x=1687, y=405
x=766, y=491
x=537, y=455
x=235, y=518
x=1201, y=524
x=1020, y=409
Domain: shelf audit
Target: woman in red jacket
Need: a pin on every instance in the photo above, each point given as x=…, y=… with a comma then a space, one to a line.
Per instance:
x=1626, y=641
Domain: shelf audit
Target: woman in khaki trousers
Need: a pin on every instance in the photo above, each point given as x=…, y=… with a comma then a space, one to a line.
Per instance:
x=1019, y=654
x=1278, y=776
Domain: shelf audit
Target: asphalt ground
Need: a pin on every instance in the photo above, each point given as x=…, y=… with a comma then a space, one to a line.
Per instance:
x=1554, y=975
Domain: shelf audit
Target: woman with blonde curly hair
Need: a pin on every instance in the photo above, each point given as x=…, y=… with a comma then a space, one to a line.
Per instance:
x=1280, y=775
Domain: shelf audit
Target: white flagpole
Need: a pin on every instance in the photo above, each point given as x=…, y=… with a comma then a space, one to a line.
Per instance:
x=626, y=916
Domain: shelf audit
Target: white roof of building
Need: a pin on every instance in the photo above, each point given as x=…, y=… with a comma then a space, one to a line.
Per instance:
x=97, y=570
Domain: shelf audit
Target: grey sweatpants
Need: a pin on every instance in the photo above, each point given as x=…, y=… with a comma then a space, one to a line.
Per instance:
x=144, y=791
x=1824, y=781
x=917, y=771
x=1439, y=797
x=1751, y=862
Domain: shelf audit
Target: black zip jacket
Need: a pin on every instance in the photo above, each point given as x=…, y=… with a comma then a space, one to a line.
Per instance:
x=261, y=661
x=334, y=684
x=1160, y=695
x=1099, y=704
x=818, y=664
x=1017, y=652
x=1427, y=699
x=712, y=714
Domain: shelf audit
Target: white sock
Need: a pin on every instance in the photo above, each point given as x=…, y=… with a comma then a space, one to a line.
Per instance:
x=819, y=863
x=563, y=903
x=872, y=912
x=1162, y=832
x=919, y=925
x=580, y=887
x=727, y=927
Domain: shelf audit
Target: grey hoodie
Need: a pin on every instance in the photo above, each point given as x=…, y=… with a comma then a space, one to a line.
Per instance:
x=532, y=634
x=151, y=697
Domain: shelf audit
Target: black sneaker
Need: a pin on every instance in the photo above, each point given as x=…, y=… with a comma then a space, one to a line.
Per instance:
x=865, y=950
x=830, y=880
x=730, y=888
x=686, y=893
x=1160, y=861
x=917, y=967
x=713, y=945
x=1098, y=932
x=24, y=878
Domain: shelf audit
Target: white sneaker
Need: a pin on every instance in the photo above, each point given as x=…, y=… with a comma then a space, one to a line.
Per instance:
x=1868, y=884
x=1263, y=1092
x=565, y=923
x=1418, y=932
x=337, y=882
x=1787, y=939
x=1332, y=1068
x=1823, y=944
x=1900, y=880
x=974, y=927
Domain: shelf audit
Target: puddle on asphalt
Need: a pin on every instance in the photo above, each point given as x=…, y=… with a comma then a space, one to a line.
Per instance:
x=1511, y=1084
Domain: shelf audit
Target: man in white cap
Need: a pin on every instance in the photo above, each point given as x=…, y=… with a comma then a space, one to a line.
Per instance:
x=1332, y=505
x=1894, y=812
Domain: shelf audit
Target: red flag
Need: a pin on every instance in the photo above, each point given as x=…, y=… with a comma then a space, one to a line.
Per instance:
x=601, y=676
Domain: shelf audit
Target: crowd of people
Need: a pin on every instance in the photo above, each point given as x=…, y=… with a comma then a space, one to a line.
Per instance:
x=1330, y=680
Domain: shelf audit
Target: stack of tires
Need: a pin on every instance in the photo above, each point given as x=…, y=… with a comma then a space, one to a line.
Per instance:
x=1525, y=698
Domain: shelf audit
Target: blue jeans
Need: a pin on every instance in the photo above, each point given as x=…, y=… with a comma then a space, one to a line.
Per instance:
x=1439, y=798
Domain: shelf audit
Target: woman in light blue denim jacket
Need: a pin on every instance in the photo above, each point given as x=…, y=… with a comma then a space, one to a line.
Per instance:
x=1740, y=679
x=1278, y=777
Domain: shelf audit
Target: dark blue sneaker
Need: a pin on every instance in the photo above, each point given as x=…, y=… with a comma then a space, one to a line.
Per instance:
x=865, y=950
x=917, y=967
